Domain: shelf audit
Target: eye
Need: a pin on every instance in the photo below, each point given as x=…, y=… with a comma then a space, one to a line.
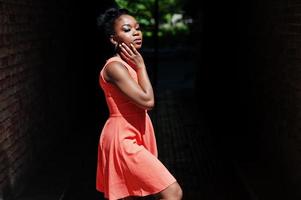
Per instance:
x=126, y=29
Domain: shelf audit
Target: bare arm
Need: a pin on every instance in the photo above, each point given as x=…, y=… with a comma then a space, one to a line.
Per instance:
x=142, y=93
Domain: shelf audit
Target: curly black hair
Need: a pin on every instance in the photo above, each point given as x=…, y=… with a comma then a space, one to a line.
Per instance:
x=106, y=20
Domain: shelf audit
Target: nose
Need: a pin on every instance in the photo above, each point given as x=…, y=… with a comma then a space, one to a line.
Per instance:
x=136, y=32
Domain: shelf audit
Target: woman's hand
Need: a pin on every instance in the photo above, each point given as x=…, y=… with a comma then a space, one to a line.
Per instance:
x=131, y=56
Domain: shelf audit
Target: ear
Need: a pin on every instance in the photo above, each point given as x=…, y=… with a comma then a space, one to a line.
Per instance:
x=113, y=40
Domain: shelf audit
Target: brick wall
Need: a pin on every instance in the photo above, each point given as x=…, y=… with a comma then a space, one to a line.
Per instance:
x=29, y=48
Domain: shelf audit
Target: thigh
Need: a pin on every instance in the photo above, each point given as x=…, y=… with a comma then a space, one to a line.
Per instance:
x=172, y=191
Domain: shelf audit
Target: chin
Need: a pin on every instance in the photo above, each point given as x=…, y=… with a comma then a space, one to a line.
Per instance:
x=138, y=46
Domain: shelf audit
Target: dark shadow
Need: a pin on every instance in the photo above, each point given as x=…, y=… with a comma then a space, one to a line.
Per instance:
x=5, y=177
x=209, y=108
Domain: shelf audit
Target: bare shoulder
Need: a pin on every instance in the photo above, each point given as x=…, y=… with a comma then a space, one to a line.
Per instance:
x=115, y=71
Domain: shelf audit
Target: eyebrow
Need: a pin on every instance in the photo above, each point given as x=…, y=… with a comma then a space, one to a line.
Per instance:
x=130, y=24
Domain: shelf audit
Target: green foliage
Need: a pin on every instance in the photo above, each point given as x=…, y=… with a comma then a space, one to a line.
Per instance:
x=143, y=10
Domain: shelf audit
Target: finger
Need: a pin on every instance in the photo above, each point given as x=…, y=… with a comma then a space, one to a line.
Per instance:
x=130, y=52
x=127, y=59
x=133, y=48
x=123, y=49
x=124, y=56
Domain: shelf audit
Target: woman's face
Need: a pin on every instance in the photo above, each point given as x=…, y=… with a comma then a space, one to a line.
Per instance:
x=127, y=30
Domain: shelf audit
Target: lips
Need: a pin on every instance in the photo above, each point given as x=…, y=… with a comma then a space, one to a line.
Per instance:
x=138, y=41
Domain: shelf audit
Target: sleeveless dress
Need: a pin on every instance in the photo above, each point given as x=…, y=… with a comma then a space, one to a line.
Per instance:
x=127, y=152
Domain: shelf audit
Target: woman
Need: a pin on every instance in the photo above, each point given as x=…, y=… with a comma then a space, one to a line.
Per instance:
x=127, y=157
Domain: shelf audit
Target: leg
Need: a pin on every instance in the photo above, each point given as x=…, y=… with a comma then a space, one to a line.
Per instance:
x=172, y=192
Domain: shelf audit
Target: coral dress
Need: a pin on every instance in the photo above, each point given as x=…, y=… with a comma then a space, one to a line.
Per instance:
x=127, y=152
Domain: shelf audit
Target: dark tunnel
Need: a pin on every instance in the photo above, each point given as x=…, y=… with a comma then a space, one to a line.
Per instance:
x=228, y=113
